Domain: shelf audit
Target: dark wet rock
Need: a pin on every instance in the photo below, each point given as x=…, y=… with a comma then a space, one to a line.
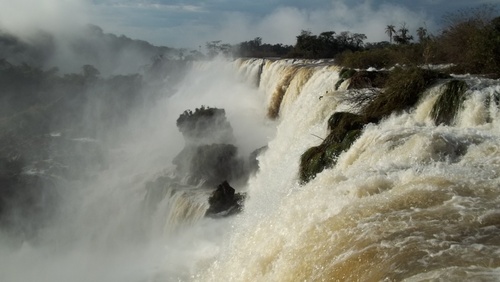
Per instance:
x=224, y=201
x=209, y=159
x=449, y=102
x=253, y=162
x=342, y=122
x=205, y=125
x=344, y=128
x=210, y=163
x=344, y=74
x=368, y=79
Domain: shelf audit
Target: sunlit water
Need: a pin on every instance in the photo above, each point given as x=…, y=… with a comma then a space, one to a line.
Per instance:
x=409, y=200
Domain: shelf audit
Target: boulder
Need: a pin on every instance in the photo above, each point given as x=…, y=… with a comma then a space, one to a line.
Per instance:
x=211, y=164
x=224, y=201
x=205, y=125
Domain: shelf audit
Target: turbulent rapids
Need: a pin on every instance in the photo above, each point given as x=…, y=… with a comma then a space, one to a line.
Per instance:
x=409, y=199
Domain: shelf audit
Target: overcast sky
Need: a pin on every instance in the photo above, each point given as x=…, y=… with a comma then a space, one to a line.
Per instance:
x=191, y=23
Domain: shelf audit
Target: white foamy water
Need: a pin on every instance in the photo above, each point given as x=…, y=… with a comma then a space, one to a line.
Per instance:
x=408, y=201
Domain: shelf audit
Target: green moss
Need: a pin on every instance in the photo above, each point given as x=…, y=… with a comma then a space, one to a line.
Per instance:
x=345, y=128
x=344, y=74
x=341, y=122
x=312, y=162
x=377, y=58
x=350, y=137
x=404, y=88
x=449, y=102
x=368, y=79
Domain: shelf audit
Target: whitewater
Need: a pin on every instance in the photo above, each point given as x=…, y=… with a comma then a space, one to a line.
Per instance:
x=408, y=201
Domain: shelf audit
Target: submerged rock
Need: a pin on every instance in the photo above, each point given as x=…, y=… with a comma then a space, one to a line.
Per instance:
x=224, y=201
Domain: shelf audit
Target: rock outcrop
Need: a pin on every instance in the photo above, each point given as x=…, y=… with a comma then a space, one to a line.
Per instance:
x=224, y=201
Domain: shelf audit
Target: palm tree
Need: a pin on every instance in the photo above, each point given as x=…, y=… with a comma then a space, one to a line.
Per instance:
x=422, y=34
x=403, y=37
x=390, y=30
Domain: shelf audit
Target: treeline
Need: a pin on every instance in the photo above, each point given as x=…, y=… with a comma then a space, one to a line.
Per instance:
x=253, y=48
x=470, y=43
x=109, y=53
x=308, y=45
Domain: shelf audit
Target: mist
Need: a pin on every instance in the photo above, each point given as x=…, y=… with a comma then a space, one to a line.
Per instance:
x=88, y=135
x=98, y=181
x=285, y=23
x=277, y=22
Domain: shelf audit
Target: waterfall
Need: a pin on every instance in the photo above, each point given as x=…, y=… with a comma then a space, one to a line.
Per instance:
x=408, y=200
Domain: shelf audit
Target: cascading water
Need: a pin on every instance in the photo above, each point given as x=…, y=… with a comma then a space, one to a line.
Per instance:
x=409, y=200
x=109, y=227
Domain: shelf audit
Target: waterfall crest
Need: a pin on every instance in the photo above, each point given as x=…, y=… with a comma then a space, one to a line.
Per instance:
x=410, y=200
x=414, y=197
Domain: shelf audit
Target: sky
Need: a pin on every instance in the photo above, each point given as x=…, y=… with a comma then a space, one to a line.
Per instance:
x=192, y=23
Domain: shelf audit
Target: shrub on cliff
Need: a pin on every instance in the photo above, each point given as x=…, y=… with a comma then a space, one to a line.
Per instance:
x=404, y=88
x=344, y=128
x=472, y=39
x=205, y=125
x=449, y=102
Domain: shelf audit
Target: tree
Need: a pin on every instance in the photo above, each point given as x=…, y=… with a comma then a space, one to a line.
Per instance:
x=213, y=48
x=422, y=34
x=403, y=37
x=90, y=72
x=471, y=40
x=307, y=45
x=357, y=39
x=390, y=30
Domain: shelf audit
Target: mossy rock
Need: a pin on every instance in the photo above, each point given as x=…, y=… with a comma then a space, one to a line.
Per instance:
x=205, y=125
x=211, y=163
x=312, y=162
x=318, y=158
x=224, y=201
x=404, y=88
x=368, y=79
x=344, y=129
x=350, y=137
x=341, y=122
x=344, y=74
x=449, y=102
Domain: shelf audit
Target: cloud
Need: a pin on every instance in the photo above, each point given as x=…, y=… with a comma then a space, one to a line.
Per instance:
x=23, y=17
x=283, y=24
x=191, y=23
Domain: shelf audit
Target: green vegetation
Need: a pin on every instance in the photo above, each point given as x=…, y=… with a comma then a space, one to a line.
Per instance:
x=400, y=90
x=326, y=44
x=344, y=129
x=256, y=49
x=403, y=89
x=362, y=79
x=449, y=102
x=470, y=41
x=344, y=74
x=205, y=124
